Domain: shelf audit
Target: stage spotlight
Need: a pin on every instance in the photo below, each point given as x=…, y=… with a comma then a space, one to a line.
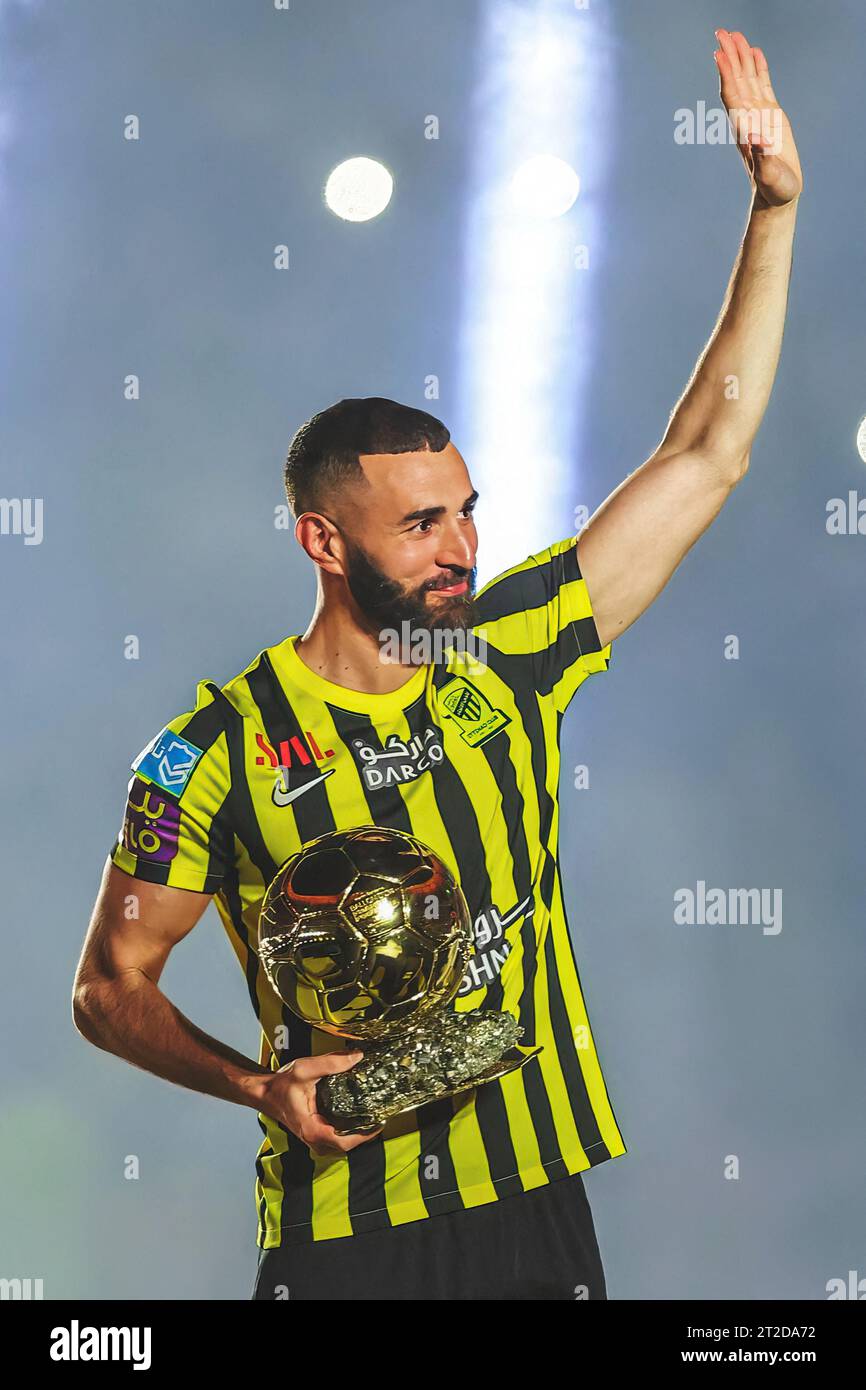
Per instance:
x=358, y=189
x=545, y=186
x=543, y=113
x=861, y=439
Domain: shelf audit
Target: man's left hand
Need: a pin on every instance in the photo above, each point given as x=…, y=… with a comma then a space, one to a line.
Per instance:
x=763, y=131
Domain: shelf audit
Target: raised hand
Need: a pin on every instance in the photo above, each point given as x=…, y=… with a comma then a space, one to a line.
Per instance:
x=763, y=132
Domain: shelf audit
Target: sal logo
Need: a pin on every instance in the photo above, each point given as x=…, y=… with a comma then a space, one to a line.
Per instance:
x=471, y=711
x=152, y=823
x=492, y=949
x=398, y=761
x=291, y=751
x=168, y=760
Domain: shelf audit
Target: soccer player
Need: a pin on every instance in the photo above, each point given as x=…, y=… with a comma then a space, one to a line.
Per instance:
x=479, y=1196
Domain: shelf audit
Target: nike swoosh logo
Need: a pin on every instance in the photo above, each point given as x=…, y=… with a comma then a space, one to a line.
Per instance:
x=282, y=797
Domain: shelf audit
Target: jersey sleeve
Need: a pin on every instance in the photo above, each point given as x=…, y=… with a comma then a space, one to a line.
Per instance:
x=541, y=609
x=177, y=826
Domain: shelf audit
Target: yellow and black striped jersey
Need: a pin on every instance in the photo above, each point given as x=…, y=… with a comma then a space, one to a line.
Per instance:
x=464, y=756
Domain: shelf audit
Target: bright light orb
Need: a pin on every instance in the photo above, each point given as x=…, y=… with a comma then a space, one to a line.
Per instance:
x=386, y=910
x=358, y=189
x=861, y=439
x=545, y=186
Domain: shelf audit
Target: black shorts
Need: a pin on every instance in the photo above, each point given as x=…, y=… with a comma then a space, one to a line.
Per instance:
x=534, y=1245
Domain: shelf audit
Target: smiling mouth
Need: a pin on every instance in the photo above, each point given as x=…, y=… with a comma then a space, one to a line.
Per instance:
x=458, y=587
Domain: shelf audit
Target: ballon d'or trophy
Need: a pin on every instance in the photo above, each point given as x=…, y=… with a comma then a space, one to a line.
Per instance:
x=366, y=934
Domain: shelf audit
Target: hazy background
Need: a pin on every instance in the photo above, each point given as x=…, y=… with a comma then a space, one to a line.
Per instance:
x=156, y=257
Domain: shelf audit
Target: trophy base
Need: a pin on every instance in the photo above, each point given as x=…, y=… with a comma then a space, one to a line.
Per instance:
x=437, y=1057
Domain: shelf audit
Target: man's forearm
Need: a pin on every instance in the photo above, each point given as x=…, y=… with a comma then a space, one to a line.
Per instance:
x=724, y=403
x=131, y=1017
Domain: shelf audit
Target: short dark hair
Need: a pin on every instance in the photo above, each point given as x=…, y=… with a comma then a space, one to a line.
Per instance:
x=324, y=453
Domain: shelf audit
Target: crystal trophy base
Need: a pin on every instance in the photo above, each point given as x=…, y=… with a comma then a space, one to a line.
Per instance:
x=441, y=1055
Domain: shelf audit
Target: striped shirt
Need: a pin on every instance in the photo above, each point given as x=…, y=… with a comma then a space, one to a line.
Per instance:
x=464, y=756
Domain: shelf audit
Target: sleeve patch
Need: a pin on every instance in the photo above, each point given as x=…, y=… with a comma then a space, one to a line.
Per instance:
x=169, y=761
x=151, y=826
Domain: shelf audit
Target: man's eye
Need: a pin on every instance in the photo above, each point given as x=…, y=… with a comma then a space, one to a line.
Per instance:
x=426, y=521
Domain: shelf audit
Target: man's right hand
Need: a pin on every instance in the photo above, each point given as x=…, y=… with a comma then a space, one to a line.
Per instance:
x=118, y=1006
x=289, y=1097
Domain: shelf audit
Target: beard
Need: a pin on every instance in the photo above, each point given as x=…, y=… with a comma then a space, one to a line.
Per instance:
x=385, y=603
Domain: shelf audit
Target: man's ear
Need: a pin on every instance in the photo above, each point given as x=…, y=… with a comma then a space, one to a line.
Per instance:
x=320, y=538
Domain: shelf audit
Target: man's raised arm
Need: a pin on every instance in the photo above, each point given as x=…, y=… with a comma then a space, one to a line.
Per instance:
x=631, y=546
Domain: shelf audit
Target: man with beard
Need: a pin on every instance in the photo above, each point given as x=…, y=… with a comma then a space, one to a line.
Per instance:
x=425, y=1208
x=478, y=1196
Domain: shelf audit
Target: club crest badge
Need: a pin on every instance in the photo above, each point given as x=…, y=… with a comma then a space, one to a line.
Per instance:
x=471, y=711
